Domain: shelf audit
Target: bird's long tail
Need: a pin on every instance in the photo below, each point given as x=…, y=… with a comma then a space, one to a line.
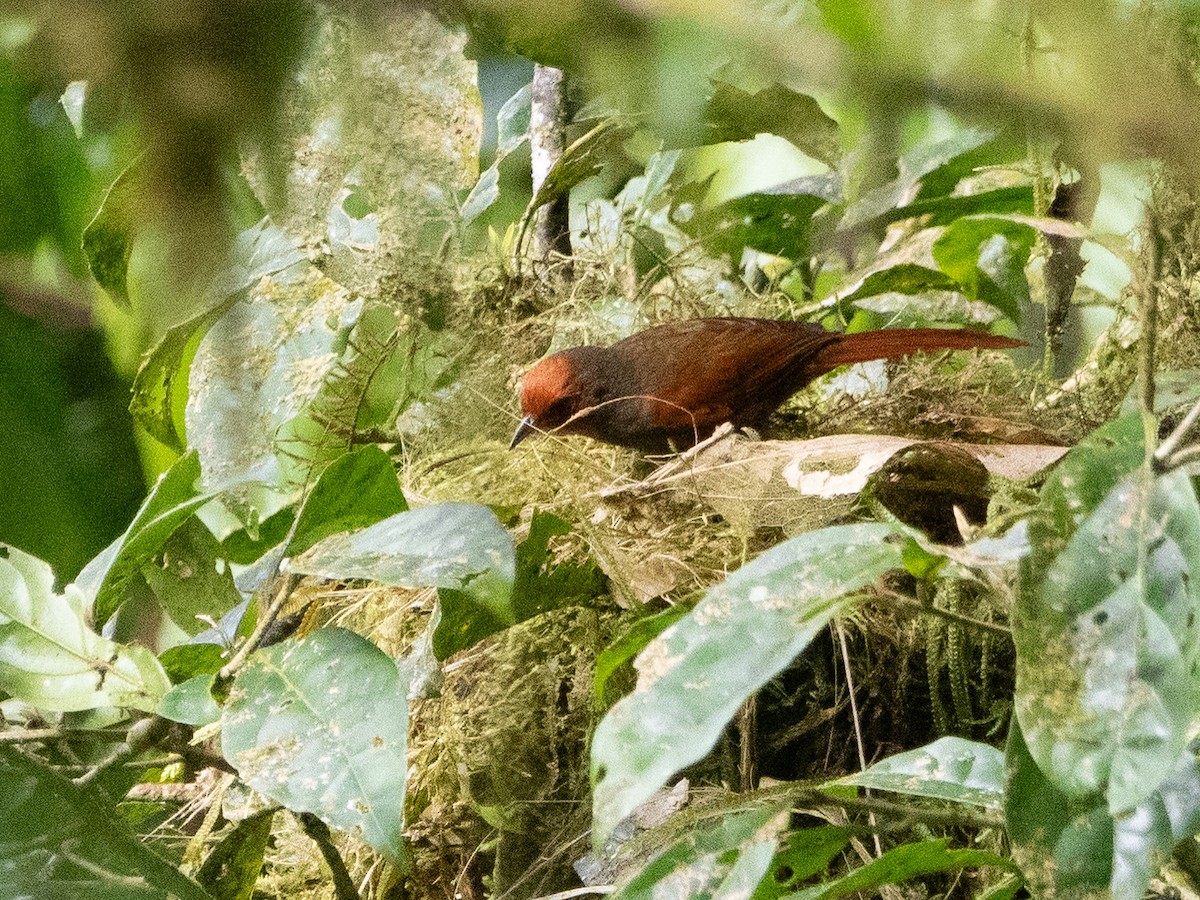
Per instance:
x=893, y=343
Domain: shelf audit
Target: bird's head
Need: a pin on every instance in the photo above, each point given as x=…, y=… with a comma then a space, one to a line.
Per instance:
x=555, y=389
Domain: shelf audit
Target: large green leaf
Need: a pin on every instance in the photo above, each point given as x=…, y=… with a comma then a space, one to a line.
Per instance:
x=1072, y=847
x=1106, y=643
x=272, y=353
x=987, y=256
x=320, y=725
x=354, y=491
x=735, y=115
x=63, y=841
x=460, y=548
x=950, y=768
x=724, y=860
x=172, y=502
x=697, y=673
x=928, y=170
x=51, y=659
x=899, y=865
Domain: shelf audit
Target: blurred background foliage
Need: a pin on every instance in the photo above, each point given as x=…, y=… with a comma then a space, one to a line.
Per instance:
x=361, y=128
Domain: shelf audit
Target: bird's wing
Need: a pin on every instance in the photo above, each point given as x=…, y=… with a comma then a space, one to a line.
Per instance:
x=721, y=369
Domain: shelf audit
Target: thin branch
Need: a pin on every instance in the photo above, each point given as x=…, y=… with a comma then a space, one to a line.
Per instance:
x=239, y=659
x=1166, y=451
x=858, y=738
x=1148, y=313
x=956, y=618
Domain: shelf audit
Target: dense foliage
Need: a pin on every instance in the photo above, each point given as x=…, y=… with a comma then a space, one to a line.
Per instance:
x=348, y=645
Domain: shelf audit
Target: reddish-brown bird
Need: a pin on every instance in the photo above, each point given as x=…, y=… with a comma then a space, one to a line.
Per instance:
x=675, y=383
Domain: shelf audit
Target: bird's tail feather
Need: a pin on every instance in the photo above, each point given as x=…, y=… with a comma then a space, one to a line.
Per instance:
x=893, y=343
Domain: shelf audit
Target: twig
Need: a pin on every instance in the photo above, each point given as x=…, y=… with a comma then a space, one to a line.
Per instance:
x=858, y=738
x=1148, y=313
x=318, y=831
x=580, y=892
x=239, y=659
x=32, y=735
x=1166, y=456
x=957, y=618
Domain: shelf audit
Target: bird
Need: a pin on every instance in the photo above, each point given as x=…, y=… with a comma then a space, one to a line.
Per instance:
x=669, y=387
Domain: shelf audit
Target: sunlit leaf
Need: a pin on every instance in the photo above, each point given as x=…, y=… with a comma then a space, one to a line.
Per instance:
x=696, y=674
x=320, y=724
x=987, y=257
x=512, y=131
x=950, y=768
x=51, y=659
x=460, y=548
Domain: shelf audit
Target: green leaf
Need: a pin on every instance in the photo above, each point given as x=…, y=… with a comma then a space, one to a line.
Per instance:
x=777, y=221
x=1107, y=643
x=724, y=860
x=936, y=167
x=512, y=125
x=460, y=548
x=261, y=251
x=696, y=674
x=580, y=161
x=185, y=661
x=1071, y=847
x=51, y=659
x=193, y=583
x=160, y=389
x=987, y=256
x=171, y=503
x=63, y=841
x=191, y=702
x=805, y=853
x=950, y=768
x=900, y=864
x=735, y=115
x=108, y=238
x=906, y=278
x=320, y=725
x=541, y=584
x=354, y=491
x=273, y=353
x=628, y=645
x=232, y=868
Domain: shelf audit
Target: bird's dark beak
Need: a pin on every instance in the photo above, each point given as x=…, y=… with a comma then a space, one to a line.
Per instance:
x=524, y=430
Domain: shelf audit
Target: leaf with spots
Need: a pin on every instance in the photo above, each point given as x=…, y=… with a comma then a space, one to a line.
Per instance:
x=950, y=768
x=1107, y=641
x=693, y=677
x=320, y=725
x=459, y=548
